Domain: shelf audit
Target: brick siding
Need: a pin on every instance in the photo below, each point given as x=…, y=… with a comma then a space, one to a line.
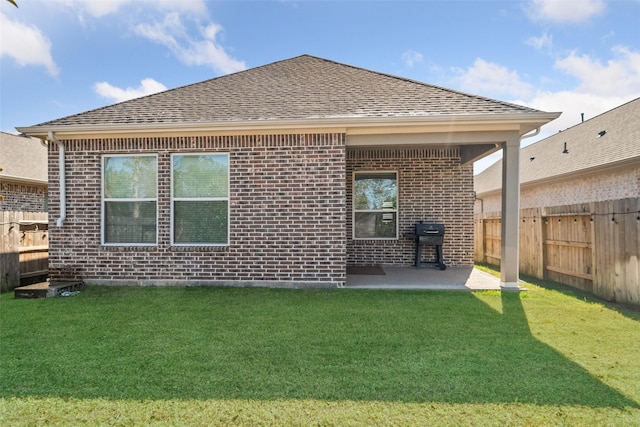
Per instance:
x=23, y=197
x=287, y=214
x=432, y=186
x=290, y=212
x=617, y=184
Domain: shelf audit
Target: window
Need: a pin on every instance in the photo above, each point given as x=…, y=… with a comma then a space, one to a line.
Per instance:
x=129, y=200
x=375, y=205
x=200, y=199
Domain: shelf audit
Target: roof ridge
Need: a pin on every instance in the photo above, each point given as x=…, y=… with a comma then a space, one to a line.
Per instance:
x=596, y=116
x=572, y=128
x=430, y=85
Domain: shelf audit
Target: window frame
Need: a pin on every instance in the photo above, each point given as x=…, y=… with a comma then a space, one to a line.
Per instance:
x=354, y=210
x=104, y=200
x=174, y=199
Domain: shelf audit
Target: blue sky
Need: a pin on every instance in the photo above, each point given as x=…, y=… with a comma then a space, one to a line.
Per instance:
x=61, y=57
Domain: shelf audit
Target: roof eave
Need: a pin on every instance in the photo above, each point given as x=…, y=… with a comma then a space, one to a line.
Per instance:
x=521, y=122
x=582, y=173
x=23, y=180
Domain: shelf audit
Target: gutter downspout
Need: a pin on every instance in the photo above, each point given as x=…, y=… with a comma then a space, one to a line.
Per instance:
x=63, y=186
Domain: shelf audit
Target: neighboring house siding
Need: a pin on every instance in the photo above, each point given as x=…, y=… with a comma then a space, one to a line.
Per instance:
x=614, y=184
x=593, y=161
x=23, y=197
x=287, y=213
x=432, y=186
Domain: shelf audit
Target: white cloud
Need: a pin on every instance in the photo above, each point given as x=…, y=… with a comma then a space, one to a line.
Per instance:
x=26, y=45
x=572, y=105
x=545, y=41
x=493, y=80
x=100, y=8
x=600, y=86
x=203, y=50
x=147, y=87
x=565, y=11
x=619, y=76
x=164, y=32
x=411, y=57
x=97, y=9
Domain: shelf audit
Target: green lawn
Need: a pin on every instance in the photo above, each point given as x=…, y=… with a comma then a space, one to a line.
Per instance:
x=226, y=356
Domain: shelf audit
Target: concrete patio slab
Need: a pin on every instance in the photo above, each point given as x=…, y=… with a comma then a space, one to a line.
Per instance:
x=453, y=279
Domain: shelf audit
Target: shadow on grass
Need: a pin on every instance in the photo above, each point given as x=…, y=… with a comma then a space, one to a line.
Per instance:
x=259, y=344
x=629, y=311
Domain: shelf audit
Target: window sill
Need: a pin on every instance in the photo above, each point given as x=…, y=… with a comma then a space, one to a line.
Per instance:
x=199, y=248
x=152, y=248
x=128, y=248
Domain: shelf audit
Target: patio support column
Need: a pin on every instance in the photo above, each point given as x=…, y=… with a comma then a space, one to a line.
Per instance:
x=510, y=223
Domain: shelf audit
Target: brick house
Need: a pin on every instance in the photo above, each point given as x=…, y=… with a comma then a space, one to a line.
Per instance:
x=23, y=180
x=596, y=160
x=280, y=175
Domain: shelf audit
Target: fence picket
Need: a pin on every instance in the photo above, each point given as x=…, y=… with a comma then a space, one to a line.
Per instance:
x=24, y=249
x=591, y=246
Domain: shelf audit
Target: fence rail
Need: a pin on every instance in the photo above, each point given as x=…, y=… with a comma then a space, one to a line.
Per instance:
x=593, y=246
x=24, y=248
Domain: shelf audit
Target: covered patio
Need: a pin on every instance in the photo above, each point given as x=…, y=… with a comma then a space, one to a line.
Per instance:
x=412, y=278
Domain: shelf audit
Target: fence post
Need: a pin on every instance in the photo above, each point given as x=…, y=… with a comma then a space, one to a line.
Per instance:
x=9, y=250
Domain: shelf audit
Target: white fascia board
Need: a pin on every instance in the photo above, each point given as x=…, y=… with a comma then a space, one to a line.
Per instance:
x=450, y=138
x=523, y=123
x=21, y=180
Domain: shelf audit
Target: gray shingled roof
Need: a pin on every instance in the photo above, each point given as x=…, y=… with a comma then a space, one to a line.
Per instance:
x=301, y=88
x=586, y=149
x=22, y=158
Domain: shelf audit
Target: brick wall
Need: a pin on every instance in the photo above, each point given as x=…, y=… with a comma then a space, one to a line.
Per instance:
x=617, y=184
x=432, y=186
x=287, y=214
x=23, y=197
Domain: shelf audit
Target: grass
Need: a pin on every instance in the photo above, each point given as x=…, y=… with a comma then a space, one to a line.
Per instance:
x=227, y=356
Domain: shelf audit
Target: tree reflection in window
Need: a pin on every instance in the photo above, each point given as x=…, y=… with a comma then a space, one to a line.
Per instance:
x=200, y=199
x=130, y=199
x=375, y=200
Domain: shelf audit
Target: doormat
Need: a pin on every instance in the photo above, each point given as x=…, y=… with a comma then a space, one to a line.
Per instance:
x=370, y=271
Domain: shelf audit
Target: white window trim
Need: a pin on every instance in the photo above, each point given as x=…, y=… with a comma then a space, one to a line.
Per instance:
x=201, y=199
x=354, y=210
x=103, y=201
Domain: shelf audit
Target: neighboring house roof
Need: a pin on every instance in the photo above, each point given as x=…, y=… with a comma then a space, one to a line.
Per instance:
x=301, y=89
x=587, y=151
x=22, y=159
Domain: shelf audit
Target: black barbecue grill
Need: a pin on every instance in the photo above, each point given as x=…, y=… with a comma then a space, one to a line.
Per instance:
x=428, y=234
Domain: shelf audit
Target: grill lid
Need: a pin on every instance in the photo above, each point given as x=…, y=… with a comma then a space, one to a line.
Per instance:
x=429, y=229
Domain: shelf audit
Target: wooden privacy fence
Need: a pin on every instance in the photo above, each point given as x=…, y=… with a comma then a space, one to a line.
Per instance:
x=593, y=246
x=24, y=249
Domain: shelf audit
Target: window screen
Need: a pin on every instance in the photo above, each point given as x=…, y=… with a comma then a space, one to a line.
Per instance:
x=200, y=199
x=129, y=199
